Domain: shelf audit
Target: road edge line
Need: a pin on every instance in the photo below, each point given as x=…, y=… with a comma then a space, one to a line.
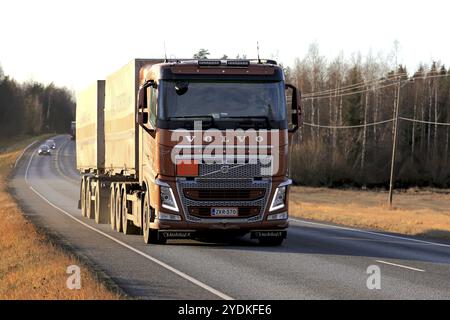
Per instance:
x=160, y=263
x=400, y=265
x=23, y=152
x=371, y=232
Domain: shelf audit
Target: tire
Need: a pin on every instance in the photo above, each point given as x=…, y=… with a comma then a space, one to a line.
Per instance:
x=90, y=205
x=118, y=209
x=271, y=242
x=101, y=205
x=146, y=218
x=128, y=226
x=112, y=206
x=150, y=235
x=83, y=197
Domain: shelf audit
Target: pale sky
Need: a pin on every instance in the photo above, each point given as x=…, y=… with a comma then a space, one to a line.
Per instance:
x=73, y=43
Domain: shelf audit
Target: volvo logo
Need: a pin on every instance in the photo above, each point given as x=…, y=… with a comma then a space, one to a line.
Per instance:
x=224, y=169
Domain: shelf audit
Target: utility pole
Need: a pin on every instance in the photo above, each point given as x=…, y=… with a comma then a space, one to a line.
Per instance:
x=394, y=145
x=48, y=109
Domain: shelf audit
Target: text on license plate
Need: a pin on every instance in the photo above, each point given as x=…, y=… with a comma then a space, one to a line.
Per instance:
x=224, y=212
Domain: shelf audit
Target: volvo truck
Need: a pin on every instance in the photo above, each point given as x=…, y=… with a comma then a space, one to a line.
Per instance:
x=188, y=149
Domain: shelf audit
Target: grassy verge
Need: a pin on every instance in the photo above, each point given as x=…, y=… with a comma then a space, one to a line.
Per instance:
x=416, y=212
x=31, y=266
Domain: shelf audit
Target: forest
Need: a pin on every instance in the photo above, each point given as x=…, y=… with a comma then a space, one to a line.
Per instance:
x=349, y=115
x=33, y=108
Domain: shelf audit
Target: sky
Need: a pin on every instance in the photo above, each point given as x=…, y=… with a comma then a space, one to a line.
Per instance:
x=75, y=42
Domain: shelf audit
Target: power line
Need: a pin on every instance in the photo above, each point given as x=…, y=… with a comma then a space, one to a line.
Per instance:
x=349, y=93
x=348, y=127
x=426, y=122
x=352, y=86
x=410, y=80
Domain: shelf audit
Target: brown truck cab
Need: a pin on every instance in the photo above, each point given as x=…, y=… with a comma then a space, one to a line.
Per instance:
x=210, y=153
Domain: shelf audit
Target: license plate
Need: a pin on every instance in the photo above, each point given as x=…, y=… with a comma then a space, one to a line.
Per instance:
x=224, y=212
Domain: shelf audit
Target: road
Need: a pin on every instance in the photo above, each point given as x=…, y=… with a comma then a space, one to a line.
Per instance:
x=317, y=261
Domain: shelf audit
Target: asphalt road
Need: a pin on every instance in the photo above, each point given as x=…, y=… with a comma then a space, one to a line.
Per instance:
x=317, y=261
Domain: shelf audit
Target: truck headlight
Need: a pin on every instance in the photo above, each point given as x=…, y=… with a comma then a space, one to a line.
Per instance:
x=279, y=199
x=168, y=199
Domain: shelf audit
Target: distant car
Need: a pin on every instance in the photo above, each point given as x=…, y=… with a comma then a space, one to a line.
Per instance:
x=44, y=150
x=51, y=144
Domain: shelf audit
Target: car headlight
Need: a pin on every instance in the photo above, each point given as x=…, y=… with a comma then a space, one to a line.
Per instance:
x=279, y=199
x=168, y=199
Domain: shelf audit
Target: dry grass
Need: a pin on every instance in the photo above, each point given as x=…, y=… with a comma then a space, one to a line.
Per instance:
x=31, y=267
x=416, y=212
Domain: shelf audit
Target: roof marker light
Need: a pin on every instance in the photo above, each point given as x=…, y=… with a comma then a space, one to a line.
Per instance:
x=209, y=63
x=238, y=63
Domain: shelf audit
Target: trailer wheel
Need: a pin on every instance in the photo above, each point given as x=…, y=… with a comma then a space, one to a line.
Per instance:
x=112, y=206
x=101, y=205
x=90, y=205
x=118, y=208
x=83, y=197
x=128, y=226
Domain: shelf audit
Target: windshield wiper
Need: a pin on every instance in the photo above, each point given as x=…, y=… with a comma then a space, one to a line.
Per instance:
x=209, y=124
x=248, y=120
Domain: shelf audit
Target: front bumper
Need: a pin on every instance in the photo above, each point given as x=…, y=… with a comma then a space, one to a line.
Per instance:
x=219, y=225
x=195, y=234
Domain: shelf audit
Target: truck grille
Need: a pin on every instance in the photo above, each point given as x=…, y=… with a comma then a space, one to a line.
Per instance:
x=224, y=194
x=254, y=168
x=202, y=194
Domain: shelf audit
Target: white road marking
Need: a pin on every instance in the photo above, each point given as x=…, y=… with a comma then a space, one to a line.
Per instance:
x=57, y=165
x=162, y=264
x=372, y=232
x=23, y=152
x=400, y=265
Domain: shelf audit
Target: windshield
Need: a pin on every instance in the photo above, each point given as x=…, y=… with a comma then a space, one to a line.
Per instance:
x=223, y=102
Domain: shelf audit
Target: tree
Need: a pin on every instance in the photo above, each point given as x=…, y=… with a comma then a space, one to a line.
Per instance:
x=2, y=75
x=202, y=54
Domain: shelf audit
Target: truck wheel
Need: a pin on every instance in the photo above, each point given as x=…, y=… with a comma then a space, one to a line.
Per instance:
x=101, y=205
x=90, y=206
x=271, y=242
x=128, y=226
x=112, y=206
x=150, y=235
x=83, y=197
x=118, y=209
x=146, y=219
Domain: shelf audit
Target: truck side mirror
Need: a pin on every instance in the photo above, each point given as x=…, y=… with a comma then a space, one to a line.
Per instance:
x=142, y=118
x=295, y=107
x=141, y=100
x=142, y=94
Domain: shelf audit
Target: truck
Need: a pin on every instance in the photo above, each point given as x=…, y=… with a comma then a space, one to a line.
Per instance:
x=72, y=130
x=188, y=149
